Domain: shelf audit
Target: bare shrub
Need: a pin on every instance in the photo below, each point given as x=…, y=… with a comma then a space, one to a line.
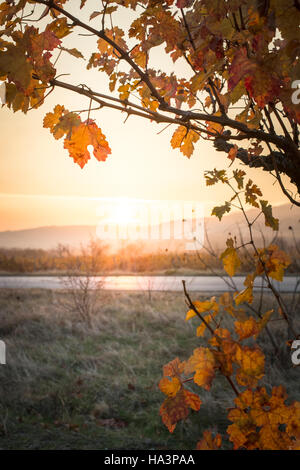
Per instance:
x=81, y=280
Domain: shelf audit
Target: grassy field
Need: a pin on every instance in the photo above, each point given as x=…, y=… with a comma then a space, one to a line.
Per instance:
x=67, y=385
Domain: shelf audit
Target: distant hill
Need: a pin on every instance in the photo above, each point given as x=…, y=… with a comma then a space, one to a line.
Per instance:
x=47, y=237
x=233, y=223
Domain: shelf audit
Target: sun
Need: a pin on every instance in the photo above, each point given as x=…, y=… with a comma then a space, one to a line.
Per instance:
x=123, y=212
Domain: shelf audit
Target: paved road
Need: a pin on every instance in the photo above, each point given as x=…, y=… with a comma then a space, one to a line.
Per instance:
x=154, y=283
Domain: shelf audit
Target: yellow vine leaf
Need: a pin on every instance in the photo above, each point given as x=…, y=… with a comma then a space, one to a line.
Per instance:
x=184, y=140
x=246, y=295
x=274, y=261
x=61, y=122
x=251, y=327
x=202, y=307
x=252, y=365
x=227, y=303
x=203, y=363
x=230, y=258
x=201, y=329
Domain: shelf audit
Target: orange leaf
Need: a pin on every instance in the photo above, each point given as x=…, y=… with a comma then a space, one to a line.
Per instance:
x=176, y=408
x=232, y=153
x=252, y=365
x=170, y=387
x=202, y=362
x=208, y=442
x=247, y=328
x=173, y=368
x=264, y=422
x=87, y=134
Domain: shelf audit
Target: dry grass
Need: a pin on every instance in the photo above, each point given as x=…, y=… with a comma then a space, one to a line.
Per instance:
x=68, y=385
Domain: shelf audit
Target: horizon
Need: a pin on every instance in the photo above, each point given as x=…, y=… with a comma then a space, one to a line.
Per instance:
x=20, y=212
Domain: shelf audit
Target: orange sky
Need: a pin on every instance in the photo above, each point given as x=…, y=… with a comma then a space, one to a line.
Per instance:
x=41, y=185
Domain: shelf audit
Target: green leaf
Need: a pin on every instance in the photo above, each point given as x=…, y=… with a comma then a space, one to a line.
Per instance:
x=270, y=221
x=213, y=177
x=251, y=193
x=219, y=211
x=239, y=178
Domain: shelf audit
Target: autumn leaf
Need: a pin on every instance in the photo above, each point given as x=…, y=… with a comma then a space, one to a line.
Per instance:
x=202, y=362
x=74, y=52
x=246, y=329
x=192, y=400
x=184, y=140
x=208, y=442
x=227, y=302
x=251, y=362
x=61, y=122
x=202, y=307
x=174, y=368
x=116, y=35
x=232, y=153
x=240, y=67
x=124, y=92
x=251, y=327
x=214, y=127
x=202, y=328
x=60, y=27
x=264, y=320
x=139, y=56
x=183, y=3
x=16, y=67
x=242, y=433
x=87, y=133
x=170, y=387
x=246, y=295
x=179, y=400
x=263, y=421
x=177, y=408
x=273, y=261
x=95, y=14
x=230, y=258
x=198, y=81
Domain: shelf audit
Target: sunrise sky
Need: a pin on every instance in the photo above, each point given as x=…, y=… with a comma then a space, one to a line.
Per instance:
x=41, y=185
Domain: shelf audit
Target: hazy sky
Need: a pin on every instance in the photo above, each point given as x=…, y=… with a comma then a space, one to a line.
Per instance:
x=41, y=185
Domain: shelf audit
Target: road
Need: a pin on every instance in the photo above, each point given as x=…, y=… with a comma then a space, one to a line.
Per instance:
x=153, y=283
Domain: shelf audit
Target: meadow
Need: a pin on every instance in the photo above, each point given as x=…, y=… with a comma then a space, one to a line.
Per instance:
x=68, y=384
